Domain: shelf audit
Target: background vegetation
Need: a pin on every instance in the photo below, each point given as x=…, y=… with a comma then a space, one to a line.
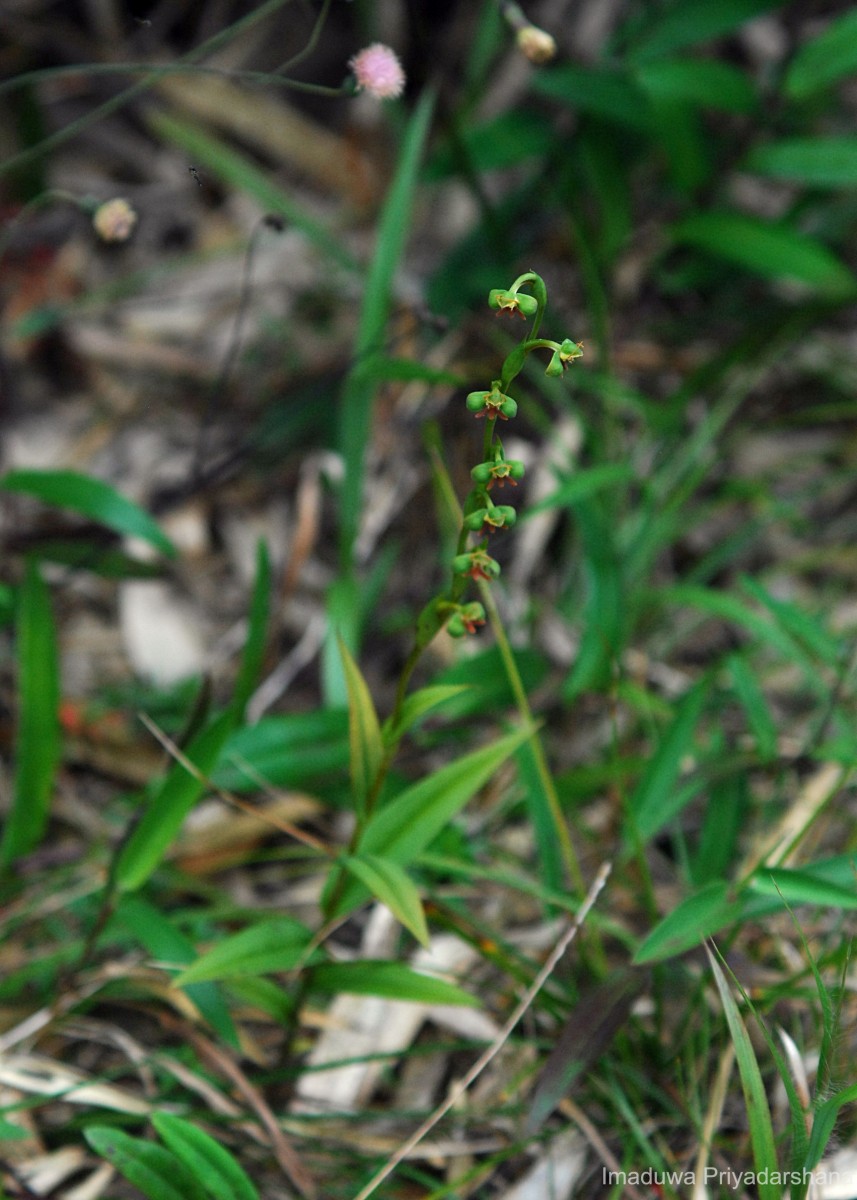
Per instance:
x=274, y=888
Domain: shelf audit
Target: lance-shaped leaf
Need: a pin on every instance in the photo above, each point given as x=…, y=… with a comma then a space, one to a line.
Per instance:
x=210, y=1163
x=401, y=830
x=364, y=733
x=758, y=1112
x=254, y=647
x=170, y=805
x=151, y=1168
x=91, y=498
x=394, y=980
x=418, y=704
x=273, y=945
x=392, y=886
x=38, y=735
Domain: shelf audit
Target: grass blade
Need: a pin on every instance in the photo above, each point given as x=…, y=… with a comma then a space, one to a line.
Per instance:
x=91, y=498
x=240, y=172
x=758, y=1112
x=701, y=915
x=254, y=648
x=272, y=945
x=393, y=887
x=825, y=60
x=209, y=1162
x=773, y=250
x=364, y=734
x=655, y=800
x=394, y=980
x=693, y=21
x=359, y=390
x=152, y=1169
x=401, y=830
x=170, y=805
x=38, y=744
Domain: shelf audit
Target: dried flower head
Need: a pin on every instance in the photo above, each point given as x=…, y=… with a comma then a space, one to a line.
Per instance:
x=378, y=72
x=536, y=44
x=114, y=220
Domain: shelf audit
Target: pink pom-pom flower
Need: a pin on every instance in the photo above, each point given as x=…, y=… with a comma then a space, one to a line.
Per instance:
x=378, y=72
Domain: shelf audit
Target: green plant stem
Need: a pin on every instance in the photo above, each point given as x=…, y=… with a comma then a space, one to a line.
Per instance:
x=570, y=858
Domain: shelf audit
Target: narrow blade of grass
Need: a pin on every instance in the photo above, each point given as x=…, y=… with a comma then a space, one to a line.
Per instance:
x=364, y=734
x=758, y=1112
x=209, y=1162
x=38, y=744
x=655, y=800
x=254, y=647
x=170, y=805
x=92, y=498
x=240, y=172
x=359, y=390
x=153, y=1169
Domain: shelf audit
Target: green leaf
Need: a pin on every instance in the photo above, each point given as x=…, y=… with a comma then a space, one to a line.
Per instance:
x=165, y=943
x=396, y=981
x=502, y=142
x=580, y=486
x=801, y=887
x=272, y=945
x=825, y=162
x=37, y=741
x=656, y=800
x=419, y=703
x=408, y=370
x=804, y=627
x=360, y=386
x=699, y=916
x=597, y=90
x=606, y=602
x=364, y=734
x=689, y=22
x=755, y=1099
x=149, y=1167
x=209, y=1162
x=719, y=840
x=242, y=173
x=752, y=700
x=824, y=60
x=400, y=831
x=287, y=750
x=706, y=82
x=733, y=608
x=90, y=498
x=254, y=647
x=773, y=250
x=392, y=886
x=823, y=1122
x=170, y=805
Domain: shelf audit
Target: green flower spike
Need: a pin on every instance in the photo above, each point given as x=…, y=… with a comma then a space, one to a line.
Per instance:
x=465, y=619
x=492, y=404
x=500, y=472
x=502, y=300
